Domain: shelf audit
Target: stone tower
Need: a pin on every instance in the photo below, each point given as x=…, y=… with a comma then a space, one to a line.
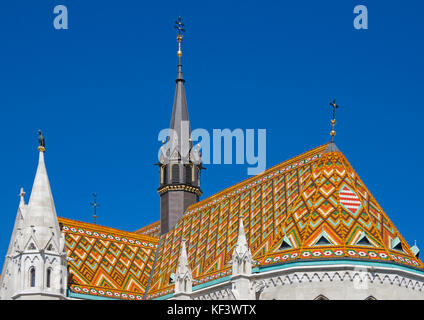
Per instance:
x=35, y=264
x=180, y=163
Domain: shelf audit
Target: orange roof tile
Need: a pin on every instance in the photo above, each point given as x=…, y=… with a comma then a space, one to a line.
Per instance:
x=313, y=206
x=152, y=230
x=312, y=196
x=108, y=262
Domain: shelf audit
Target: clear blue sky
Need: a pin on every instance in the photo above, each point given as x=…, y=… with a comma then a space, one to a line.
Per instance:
x=103, y=89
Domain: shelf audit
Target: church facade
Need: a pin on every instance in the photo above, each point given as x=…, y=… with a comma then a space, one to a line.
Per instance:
x=307, y=228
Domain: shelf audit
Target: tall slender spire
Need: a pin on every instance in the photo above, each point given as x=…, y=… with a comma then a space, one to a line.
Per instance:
x=179, y=119
x=179, y=163
x=41, y=209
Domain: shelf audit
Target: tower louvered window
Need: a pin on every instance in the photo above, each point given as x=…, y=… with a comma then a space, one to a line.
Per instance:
x=188, y=173
x=175, y=173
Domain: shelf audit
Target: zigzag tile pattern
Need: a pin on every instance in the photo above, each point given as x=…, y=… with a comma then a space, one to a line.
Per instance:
x=335, y=202
x=108, y=262
x=210, y=227
x=151, y=230
x=315, y=194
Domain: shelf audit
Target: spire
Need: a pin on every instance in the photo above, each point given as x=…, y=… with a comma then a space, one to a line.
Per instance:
x=179, y=163
x=35, y=267
x=183, y=266
x=241, y=240
x=183, y=276
x=242, y=257
x=41, y=209
x=241, y=284
x=179, y=120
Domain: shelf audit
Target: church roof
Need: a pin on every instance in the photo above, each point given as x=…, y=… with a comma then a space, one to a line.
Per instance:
x=107, y=262
x=151, y=230
x=313, y=206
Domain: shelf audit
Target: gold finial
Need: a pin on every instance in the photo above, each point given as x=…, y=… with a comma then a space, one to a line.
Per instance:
x=333, y=121
x=179, y=26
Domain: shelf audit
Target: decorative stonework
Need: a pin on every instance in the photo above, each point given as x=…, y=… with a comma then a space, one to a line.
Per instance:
x=181, y=187
x=183, y=276
x=361, y=279
x=330, y=281
x=36, y=260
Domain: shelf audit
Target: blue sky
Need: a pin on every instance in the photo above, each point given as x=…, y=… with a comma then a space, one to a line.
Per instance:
x=102, y=90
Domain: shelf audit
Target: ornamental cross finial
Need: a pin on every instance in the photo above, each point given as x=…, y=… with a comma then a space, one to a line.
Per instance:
x=333, y=120
x=95, y=205
x=180, y=27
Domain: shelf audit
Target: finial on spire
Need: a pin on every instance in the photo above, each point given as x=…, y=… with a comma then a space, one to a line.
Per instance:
x=180, y=27
x=41, y=142
x=22, y=195
x=95, y=205
x=333, y=120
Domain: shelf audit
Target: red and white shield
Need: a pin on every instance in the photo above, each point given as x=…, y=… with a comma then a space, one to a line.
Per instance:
x=349, y=200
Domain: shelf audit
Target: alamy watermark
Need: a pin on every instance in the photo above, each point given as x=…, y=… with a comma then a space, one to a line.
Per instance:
x=228, y=146
x=361, y=20
x=61, y=20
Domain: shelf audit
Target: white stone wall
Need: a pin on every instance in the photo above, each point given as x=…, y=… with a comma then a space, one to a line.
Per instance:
x=333, y=282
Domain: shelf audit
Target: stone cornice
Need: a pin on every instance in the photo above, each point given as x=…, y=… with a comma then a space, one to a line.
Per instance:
x=180, y=187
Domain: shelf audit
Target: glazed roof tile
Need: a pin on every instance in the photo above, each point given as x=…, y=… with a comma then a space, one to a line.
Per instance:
x=314, y=194
x=107, y=262
x=151, y=230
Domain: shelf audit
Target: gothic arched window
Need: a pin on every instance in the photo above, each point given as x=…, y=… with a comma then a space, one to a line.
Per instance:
x=32, y=277
x=48, y=276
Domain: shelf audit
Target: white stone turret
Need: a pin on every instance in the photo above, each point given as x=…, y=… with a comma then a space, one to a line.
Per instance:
x=242, y=257
x=183, y=276
x=242, y=267
x=35, y=264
